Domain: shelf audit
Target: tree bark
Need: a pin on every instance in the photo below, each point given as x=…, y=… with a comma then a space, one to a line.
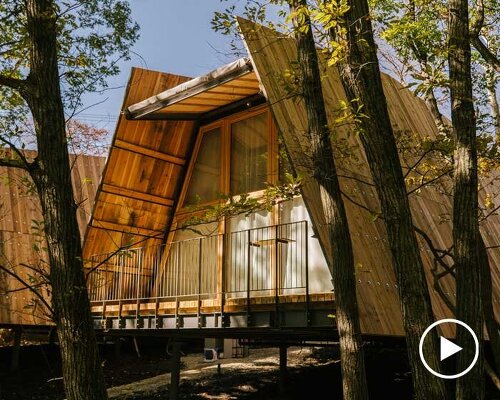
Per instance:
x=324, y=172
x=491, y=88
x=82, y=373
x=360, y=76
x=465, y=200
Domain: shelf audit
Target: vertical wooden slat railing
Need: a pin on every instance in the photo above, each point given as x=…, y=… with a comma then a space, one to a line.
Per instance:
x=267, y=261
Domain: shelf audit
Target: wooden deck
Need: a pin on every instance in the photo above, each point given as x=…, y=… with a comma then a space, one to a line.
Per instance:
x=191, y=312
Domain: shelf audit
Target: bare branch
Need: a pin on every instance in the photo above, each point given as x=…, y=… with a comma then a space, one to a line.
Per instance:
x=435, y=252
x=22, y=289
x=121, y=248
x=13, y=83
x=491, y=212
x=488, y=56
x=27, y=165
x=415, y=165
x=5, y=162
x=491, y=373
x=356, y=179
x=29, y=287
x=429, y=181
x=38, y=270
x=439, y=289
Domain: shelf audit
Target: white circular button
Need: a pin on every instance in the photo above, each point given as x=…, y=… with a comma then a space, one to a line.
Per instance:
x=448, y=348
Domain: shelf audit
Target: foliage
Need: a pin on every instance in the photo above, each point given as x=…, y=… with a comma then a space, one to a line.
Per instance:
x=413, y=40
x=86, y=139
x=93, y=36
x=246, y=204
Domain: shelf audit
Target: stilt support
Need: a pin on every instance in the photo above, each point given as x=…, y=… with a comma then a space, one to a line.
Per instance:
x=175, y=374
x=283, y=368
x=14, y=362
x=117, y=347
x=136, y=346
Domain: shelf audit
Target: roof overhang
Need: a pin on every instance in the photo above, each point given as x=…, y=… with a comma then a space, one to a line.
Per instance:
x=227, y=87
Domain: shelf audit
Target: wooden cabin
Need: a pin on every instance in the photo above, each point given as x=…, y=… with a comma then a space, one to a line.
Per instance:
x=184, y=145
x=22, y=241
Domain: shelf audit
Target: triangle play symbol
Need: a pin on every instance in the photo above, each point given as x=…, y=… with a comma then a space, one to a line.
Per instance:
x=448, y=348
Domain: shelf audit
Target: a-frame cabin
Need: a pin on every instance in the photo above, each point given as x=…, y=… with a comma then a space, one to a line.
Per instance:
x=181, y=144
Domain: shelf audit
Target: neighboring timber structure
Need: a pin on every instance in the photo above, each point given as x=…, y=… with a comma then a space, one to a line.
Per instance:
x=21, y=238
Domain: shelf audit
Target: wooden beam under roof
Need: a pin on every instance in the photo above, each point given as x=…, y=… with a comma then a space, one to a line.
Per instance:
x=144, y=151
x=134, y=194
x=206, y=117
x=127, y=229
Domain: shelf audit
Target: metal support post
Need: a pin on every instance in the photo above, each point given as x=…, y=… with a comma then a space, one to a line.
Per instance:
x=175, y=374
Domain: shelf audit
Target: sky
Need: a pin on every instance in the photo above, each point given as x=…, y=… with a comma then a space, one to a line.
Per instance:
x=176, y=37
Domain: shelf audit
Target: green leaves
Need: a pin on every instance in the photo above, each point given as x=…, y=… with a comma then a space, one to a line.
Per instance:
x=93, y=35
x=245, y=203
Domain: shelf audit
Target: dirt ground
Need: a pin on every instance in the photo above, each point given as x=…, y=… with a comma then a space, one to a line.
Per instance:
x=312, y=372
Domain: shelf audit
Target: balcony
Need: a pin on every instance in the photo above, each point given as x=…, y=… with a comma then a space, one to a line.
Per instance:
x=253, y=278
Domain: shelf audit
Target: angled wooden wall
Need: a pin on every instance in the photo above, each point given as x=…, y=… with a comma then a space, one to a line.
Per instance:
x=19, y=214
x=273, y=54
x=143, y=173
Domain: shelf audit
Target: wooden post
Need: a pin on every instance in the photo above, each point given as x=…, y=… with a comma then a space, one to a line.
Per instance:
x=283, y=368
x=14, y=362
x=175, y=373
x=136, y=346
x=52, y=337
x=117, y=347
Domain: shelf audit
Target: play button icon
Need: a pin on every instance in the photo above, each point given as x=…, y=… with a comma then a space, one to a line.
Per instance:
x=448, y=348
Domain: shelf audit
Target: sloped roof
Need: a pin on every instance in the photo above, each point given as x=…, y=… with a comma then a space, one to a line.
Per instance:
x=197, y=97
x=140, y=183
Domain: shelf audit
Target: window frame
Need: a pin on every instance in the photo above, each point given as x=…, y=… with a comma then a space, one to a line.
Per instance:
x=224, y=124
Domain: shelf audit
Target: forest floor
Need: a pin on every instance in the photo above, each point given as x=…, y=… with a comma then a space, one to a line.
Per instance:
x=311, y=373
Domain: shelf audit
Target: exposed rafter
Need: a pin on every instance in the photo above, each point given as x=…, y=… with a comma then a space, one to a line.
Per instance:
x=134, y=194
x=127, y=229
x=144, y=151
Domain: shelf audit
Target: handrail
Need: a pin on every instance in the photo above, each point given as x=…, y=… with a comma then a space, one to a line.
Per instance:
x=265, y=261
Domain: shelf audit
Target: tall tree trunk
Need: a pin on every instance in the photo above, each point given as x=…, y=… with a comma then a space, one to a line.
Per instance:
x=491, y=88
x=360, y=76
x=324, y=172
x=82, y=372
x=465, y=199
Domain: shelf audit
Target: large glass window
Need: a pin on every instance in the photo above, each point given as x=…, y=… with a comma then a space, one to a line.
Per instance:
x=205, y=179
x=249, y=154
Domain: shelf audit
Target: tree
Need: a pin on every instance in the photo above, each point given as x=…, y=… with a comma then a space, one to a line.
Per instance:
x=360, y=75
x=465, y=199
x=420, y=42
x=354, y=52
x=325, y=173
x=48, y=45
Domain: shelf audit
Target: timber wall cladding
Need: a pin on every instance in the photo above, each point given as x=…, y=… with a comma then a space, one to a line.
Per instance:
x=143, y=174
x=19, y=214
x=273, y=54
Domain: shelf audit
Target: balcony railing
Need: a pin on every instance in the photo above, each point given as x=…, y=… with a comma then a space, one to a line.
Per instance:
x=268, y=261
